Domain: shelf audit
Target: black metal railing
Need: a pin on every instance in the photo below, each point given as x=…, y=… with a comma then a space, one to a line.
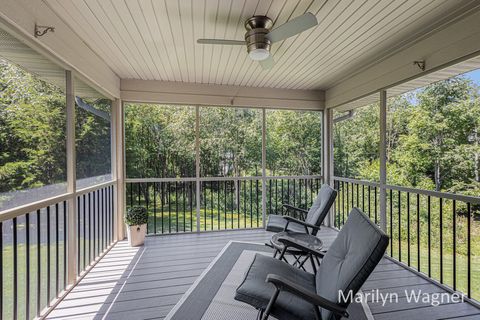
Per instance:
x=223, y=203
x=95, y=227
x=34, y=248
x=33, y=261
x=435, y=233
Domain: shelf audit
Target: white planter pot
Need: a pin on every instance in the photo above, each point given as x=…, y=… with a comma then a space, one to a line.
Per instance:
x=136, y=235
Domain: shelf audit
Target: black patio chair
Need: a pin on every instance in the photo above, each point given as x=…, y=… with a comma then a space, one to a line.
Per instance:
x=285, y=292
x=310, y=220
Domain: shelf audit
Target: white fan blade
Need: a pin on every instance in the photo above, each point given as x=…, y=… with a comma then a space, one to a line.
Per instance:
x=267, y=63
x=293, y=27
x=221, y=41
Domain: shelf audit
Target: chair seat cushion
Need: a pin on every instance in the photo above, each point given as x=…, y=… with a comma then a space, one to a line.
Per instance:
x=276, y=223
x=256, y=292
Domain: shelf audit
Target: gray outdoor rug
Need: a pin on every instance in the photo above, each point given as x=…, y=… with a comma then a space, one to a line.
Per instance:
x=211, y=296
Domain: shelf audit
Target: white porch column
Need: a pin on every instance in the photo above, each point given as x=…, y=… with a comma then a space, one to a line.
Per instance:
x=383, y=160
x=71, y=181
x=327, y=168
x=118, y=165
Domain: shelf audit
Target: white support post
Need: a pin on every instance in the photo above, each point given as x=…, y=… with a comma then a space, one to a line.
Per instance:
x=264, y=170
x=71, y=181
x=383, y=160
x=118, y=165
x=197, y=165
x=327, y=167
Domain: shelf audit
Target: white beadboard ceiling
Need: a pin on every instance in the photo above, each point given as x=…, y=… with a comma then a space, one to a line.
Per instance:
x=156, y=39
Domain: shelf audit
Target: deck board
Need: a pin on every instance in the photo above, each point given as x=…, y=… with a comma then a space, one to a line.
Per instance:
x=146, y=282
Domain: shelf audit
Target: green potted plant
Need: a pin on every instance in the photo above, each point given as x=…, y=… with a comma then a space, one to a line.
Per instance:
x=136, y=221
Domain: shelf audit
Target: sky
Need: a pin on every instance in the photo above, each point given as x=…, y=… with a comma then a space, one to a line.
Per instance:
x=474, y=75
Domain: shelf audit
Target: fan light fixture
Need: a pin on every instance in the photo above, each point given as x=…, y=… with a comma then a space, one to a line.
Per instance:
x=259, y=36
x=259, y=54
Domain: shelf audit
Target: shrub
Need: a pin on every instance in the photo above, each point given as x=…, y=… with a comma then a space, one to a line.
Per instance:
x=136, y=216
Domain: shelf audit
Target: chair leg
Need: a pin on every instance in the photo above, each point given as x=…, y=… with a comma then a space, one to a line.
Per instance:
x=313, y=264
x=260, y=314
x=270, y=304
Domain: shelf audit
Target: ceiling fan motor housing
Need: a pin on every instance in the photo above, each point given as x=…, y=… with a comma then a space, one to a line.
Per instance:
x=255, y=37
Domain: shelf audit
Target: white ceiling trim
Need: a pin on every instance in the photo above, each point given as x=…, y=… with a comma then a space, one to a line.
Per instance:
x=165, y=92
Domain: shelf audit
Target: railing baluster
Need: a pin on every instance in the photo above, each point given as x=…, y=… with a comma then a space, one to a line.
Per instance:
x=369, y=203
x=245, y=203
x=84, y=231
x=65, y=244
x=211, y=203
x=348, y=201
x=15, y=269
x=169, y=209
x=162, y=201
x=176, y=206
x=343, y=203
x=408, y=228
x=225, y=203
x=441, y=238
x=155, y=208
x=418, y=232
x=270, y=196
x=469, y=252
x=204, y=189
x=57, y=280
x=218, y=205
x=454, y=229
x=27, y=266
x=429, y=237
x=184, y=194
x=39, y=290
x=391, y=223
x=375, y=203
x=251, y=203
x=48, y=256
x=358, y=193
x=256, y=203
x=78, y=235
x=399, y=227
x=233, y=201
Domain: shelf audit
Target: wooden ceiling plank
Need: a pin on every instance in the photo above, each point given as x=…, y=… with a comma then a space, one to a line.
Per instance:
x=116, y=27
x=290, y=48
x=278, y=49
x=138, y=16
x=125, y=15
x=119, y=47
x=384, y=30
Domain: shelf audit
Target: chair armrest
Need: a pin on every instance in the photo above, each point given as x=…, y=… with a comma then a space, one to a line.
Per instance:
x=286, y=285
x=289, y=243
x=306, y=224
x=290, y=207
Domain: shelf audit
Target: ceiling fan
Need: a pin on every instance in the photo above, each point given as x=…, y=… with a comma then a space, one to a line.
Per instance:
x=259, y=37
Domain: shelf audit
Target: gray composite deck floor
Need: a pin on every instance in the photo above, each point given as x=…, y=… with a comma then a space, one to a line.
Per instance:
x=146, y=282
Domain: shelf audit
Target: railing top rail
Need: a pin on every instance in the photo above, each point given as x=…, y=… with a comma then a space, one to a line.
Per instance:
x=437, y=194
x=40, y=204
x=31, y=207
x=95, y=187
x=192, y=179
x=357, y=181
x=432, y=193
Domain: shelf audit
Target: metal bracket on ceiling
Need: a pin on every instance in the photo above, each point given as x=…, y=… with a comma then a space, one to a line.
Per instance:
x=420, y=64
x=42, y=30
